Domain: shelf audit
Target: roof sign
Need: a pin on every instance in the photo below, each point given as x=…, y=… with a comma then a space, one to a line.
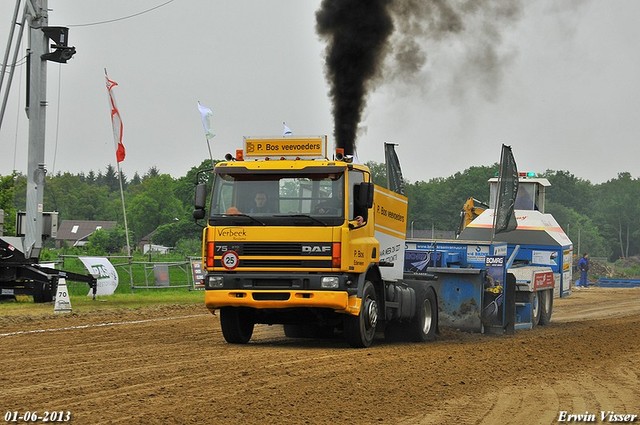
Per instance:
x=314, y=147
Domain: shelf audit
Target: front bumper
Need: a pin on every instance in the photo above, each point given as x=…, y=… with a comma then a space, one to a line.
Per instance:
x=278, y=291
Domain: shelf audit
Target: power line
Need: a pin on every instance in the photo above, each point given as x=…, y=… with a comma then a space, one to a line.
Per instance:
x=17, y=64
x=123, y=17
x=15, y=141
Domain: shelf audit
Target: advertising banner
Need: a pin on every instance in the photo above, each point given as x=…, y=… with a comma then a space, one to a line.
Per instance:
x=104, y=271
x=198, y=274
x=494, y=290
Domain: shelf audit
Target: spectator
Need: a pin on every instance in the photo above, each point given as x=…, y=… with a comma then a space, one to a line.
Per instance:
x=583, y=266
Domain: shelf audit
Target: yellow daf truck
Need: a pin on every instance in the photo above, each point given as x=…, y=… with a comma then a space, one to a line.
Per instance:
x=296, y=238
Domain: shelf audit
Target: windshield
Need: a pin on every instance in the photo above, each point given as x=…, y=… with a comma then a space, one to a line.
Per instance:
x=528, y=197
x=278, y=199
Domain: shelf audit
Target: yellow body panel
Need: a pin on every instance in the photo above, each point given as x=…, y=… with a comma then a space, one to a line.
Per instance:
x=391, y=212
x=336, y=300
x=271, y=233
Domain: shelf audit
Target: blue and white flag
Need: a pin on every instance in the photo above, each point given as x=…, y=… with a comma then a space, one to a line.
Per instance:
x=207, y=116
x=286, y=131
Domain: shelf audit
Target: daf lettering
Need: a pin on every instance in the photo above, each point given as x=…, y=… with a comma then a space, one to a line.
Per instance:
x=308, y=249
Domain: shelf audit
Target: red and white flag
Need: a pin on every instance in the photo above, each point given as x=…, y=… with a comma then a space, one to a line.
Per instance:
x=116, y=122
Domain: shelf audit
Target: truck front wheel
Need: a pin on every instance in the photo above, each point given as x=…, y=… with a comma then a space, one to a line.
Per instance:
x=425, y=323
x=237, y=324
x=360, y=330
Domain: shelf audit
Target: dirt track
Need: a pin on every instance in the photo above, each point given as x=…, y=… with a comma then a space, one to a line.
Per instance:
x=129, y=367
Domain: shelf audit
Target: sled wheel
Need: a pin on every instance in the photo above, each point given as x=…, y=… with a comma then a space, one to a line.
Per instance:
x=546, y=305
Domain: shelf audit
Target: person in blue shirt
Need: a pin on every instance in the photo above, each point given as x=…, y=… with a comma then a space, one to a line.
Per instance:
x=583, y=266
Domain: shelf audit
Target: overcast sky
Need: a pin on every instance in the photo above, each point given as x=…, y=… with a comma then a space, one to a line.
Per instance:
x=564, y=90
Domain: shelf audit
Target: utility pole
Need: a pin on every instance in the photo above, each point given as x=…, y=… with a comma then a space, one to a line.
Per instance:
x=36, y=15
x=22, y=274
x=36, y=112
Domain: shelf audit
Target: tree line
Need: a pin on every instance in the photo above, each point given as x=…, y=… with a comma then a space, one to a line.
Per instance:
x=603, y=218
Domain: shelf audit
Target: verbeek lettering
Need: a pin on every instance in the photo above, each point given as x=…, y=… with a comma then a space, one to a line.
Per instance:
x=232, y=232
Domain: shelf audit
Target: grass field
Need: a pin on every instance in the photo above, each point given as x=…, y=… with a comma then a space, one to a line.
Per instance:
x=136, y=274
x=24, y=305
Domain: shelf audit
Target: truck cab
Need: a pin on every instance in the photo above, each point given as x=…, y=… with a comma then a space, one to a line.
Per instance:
x=291, y=237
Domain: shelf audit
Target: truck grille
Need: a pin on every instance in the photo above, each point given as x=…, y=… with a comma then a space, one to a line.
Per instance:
x=266, y=263
x=271, y=248
x=302, y=255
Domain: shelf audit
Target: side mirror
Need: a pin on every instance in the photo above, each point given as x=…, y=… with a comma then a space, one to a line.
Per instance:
x=200, y=201
x=365, y=195
x=198, y=214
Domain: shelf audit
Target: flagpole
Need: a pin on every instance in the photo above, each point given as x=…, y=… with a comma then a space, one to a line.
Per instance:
x=205, y=114
x=124, y=210
x=209, y=147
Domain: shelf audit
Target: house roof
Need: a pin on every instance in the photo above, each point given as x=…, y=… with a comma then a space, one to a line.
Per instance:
x=75, y=230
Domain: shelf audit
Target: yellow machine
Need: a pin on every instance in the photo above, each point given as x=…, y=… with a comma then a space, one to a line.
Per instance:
x=295, y=238
x=471, y=210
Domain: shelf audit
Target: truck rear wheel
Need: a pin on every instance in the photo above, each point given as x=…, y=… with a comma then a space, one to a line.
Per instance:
x=425, y=323
x=237, y=324
x=546, y=306
x=360, y=330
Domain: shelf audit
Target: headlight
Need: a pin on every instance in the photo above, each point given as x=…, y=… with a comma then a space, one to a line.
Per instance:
x=215, y=281
x=330, y=282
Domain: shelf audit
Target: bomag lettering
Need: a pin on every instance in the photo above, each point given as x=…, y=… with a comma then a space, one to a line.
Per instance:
x=234, y=233
x=494, y=260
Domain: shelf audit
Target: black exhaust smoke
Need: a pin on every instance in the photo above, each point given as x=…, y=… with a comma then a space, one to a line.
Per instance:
x=356, y=32
x=361, y=33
